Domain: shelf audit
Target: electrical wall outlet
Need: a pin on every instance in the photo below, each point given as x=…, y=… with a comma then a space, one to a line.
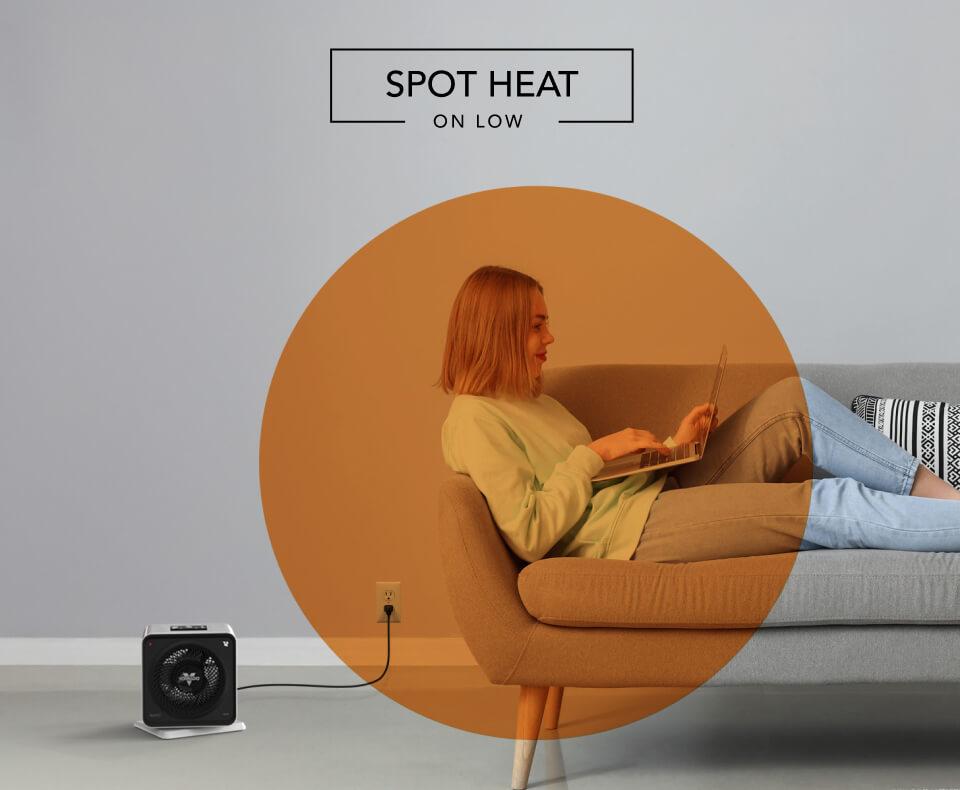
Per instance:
x=388, y=592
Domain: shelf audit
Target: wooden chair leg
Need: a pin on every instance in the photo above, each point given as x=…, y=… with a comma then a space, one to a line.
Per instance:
x=530, y=707
x=551, y=716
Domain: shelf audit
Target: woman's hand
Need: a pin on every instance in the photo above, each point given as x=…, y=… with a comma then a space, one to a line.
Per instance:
x=694, y=425
x=624, y=442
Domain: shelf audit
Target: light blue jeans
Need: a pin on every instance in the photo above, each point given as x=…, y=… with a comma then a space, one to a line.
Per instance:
x=866, y=504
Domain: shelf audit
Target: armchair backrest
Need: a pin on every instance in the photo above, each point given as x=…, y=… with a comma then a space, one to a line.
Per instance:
x=608, y=398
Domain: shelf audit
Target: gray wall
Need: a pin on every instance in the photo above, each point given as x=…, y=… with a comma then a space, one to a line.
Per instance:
x=173, y=196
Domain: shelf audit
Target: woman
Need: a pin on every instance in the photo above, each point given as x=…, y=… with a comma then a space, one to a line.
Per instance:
x=533, y=460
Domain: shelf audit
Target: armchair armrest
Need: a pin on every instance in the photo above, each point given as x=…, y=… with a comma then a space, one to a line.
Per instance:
x=481, y=576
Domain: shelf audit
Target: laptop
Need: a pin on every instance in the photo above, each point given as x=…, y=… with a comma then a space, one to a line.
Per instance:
x=649, y=459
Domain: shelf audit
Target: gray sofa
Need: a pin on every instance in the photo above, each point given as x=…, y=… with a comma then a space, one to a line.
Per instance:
x=862, y=615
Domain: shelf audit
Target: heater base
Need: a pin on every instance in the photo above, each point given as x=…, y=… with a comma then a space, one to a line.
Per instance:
x=188, y=732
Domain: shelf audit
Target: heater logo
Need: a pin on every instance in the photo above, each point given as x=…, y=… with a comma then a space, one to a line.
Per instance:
x=188, y=678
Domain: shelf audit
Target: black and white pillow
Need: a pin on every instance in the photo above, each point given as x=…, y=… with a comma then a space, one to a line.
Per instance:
x=929, y=430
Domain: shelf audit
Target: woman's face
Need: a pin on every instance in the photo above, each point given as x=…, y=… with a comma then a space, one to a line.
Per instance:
x=539, y=336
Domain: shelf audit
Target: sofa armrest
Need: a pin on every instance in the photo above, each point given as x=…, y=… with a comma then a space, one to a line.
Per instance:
x=481, y=576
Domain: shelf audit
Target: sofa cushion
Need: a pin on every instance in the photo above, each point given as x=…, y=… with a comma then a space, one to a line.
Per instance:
x=849, y=586
x=930, y=430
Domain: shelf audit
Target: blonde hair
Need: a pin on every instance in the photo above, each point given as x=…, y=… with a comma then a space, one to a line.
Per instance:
x=485, y=352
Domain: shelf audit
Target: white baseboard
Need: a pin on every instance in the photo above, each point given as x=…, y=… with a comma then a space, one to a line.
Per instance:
x=125, y=651
x=251, y=651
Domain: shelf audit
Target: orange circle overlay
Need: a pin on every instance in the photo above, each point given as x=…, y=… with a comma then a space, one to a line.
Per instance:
x=350, y=454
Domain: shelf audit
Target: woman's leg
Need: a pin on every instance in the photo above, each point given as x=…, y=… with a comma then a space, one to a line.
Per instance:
x=762, y=440
x=929, y=485
x=846, y=514
x=846, y=446
x=758, y=443
x=725, y=520
x=749, y=519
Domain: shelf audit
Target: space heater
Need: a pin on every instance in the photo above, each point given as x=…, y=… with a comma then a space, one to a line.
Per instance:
x=189, y=680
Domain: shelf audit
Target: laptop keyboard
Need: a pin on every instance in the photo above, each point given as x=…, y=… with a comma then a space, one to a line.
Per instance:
x=652, y=457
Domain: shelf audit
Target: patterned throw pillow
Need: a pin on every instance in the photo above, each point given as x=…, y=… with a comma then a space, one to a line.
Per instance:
x=929, y=430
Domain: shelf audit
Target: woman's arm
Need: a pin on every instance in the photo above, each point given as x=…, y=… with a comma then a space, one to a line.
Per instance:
x=532, y=516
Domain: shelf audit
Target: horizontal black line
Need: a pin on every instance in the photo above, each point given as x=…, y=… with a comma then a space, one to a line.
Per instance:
x=342, y=121
x=628, y=120
x=481, y=49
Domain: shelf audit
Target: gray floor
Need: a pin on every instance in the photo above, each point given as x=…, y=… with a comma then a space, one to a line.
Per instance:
x=66, y=727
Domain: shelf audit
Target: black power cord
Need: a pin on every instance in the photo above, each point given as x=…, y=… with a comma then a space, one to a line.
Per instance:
x=388, y=609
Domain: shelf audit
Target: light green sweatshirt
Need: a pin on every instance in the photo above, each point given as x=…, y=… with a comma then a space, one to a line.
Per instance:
x=530, y=461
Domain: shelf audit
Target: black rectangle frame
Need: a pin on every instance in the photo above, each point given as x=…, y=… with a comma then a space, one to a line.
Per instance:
x=486, y=49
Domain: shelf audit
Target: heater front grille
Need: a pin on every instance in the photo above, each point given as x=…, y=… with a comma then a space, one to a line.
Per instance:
x=188, y=681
